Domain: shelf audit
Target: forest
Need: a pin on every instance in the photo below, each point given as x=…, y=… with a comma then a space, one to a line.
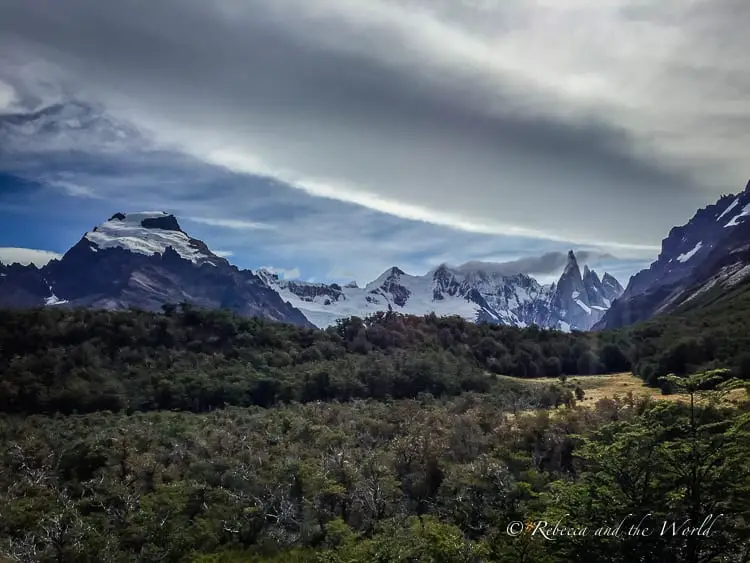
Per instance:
x=56, y=360
x=204, y=437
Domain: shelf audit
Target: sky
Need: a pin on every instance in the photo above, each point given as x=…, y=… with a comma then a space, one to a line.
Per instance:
x=330, y=140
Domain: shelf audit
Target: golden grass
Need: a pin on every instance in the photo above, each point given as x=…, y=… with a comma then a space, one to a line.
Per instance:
x=597, y=387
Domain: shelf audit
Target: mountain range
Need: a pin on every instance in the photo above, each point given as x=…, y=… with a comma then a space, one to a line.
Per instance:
x=145, y=260
x=476, y=291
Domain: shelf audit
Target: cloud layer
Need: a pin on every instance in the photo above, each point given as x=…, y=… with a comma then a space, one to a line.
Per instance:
x=549, y=263
x=26, y=256
x=596, y=122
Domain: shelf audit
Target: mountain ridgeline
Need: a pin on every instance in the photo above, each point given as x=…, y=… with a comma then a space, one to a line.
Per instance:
x=145, y=261
x=476, y=291
x=710, y=254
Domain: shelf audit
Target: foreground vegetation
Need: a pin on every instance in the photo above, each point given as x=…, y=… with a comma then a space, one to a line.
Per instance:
x=405, y=480
x=200, y=436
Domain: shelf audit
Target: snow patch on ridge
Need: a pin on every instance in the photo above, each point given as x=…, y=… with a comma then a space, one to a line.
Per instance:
x=583, y=306
x=53, y=299
x=729, y=208
x=734, y=222
x=129, y=234
x=690, y=253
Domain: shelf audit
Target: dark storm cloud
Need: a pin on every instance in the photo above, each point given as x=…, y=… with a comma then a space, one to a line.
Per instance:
x=386, y=105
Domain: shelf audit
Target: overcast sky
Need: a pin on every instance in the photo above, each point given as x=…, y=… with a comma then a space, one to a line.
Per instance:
x=423, y=130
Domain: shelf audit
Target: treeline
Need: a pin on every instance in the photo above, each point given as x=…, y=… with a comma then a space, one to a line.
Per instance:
x=367, y=481
x=57, y=360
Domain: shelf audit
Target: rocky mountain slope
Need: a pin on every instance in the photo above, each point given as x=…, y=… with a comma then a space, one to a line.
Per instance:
x=475, y=291
x=142, y=260
x=710, y=251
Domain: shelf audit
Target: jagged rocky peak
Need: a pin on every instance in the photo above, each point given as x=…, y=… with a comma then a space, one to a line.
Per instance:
x=572, y=262
x=390, y=276
x=571, y=278
x=610, y=281
x=442, y=273
x=591, y=278
x=394, y=272
x=390, y=282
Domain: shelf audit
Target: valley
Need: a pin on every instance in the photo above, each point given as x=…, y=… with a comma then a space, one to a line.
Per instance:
x=158, y=403
x=376, y=281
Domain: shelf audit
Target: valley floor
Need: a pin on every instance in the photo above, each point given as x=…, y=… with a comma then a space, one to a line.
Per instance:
x=611, y=386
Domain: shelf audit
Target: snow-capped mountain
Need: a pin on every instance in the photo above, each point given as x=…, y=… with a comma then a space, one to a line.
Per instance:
x=142, y=260
x=476, y=291
x=712, y=250
x=146, y=260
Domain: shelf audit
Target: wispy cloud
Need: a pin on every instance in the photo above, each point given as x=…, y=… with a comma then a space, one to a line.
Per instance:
x=26, y=256
x=73, y=189
x=540, y=119
x=287, y=274
x=238, y=224
x=7, y=98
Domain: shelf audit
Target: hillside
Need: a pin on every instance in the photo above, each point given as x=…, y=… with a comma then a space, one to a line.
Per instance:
x=710, y=331
x=142, y=260
x=710, y=251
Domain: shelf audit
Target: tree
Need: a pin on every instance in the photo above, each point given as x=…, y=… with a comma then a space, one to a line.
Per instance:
x=710, y=464
x=613, y=359
x=588, y=364
x=743, y=366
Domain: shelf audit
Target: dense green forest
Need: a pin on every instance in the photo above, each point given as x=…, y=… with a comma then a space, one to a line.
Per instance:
x=56, y=360
x=453, y=480
x=205, y=437
x=711, y=331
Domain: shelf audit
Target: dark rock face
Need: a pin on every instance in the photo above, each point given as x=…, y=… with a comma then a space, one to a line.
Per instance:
x=22, y=286
x=611, y=288
x=118, y=278
x=166, y=223
x=392, y=285
x=710, y=248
